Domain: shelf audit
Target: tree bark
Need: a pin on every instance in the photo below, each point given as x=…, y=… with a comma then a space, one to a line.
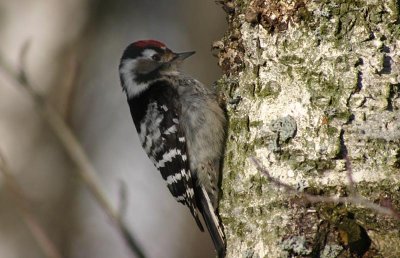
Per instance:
x=313, y=91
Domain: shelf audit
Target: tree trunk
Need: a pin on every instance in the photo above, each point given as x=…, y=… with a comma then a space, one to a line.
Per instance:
x=312, y=89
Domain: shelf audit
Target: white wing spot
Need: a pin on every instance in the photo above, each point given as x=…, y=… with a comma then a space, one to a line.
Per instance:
x=183, y=172
x=167, y=157
x=174, y=178
x=190, y=192
x=149, y=127
x=142, y=132
x=181, y=139
x=171, y=130
x=175, y=120
x=158, y=120
x=180, y=198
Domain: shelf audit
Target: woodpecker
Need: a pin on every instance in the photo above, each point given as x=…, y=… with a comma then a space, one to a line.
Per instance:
x=181, y=127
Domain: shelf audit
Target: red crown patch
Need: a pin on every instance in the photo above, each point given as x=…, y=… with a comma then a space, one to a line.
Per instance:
x=149, y=43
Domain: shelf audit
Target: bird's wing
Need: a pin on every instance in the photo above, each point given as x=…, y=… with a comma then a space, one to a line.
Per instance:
x=164, y=141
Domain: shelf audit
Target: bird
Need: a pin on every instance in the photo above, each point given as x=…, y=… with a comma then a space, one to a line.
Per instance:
x=181, y=126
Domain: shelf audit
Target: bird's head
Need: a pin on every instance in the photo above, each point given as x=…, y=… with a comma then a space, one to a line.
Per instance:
x=145, y=61
x=148, y=58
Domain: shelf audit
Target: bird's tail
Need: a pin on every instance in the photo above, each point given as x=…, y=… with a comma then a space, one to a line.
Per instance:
x=213, y=222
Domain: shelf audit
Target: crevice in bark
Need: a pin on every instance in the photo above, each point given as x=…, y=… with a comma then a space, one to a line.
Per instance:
x=343, y=149
x=320, y=239
x=354, y=236
x=359, y=81
x=392, y=96
x=387, y=65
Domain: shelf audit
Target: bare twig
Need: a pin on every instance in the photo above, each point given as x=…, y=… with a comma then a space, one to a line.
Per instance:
x=74, y=149
x=39, y=234
x=353, y=199
x=123, y=205
x=22, y=61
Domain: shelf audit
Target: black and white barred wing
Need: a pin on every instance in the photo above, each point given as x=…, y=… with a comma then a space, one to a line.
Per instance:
x=164, y=142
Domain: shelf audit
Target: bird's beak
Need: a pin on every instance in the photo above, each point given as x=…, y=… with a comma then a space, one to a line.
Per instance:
x=178, y=57
x=184, y=55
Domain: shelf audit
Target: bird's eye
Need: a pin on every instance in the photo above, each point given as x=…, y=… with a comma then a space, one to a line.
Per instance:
x=156, y=57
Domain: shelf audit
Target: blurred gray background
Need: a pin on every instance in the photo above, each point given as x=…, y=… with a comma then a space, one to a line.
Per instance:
x=73, y=59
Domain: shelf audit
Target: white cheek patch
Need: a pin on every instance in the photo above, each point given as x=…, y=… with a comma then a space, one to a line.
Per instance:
x=129, y=85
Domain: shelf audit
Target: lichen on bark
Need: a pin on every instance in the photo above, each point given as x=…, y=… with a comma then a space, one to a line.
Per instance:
x=333, y=67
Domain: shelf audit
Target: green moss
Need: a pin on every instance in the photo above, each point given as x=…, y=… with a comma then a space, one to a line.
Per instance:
x=239, y=124
x=261, y=142
x=241, y=4
x=231, y=161
x=304, y=14
x=344, y=8
x=256, y=123
x=395, y=30
x=324, y=165
x=310, y=165
x=326, y=92
x=291, y=59
x=307, y=166
x=396, y=159
x=240, y=230
x=394, y=7
x=332, y=131
x=324, y=29
x=268, y=90
x=343, y=115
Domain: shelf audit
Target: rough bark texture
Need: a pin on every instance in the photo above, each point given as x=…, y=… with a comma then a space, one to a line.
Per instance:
x=309, y=83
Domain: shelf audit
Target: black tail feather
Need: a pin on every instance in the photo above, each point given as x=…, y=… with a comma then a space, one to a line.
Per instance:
x=198, y=222
x=212, y=221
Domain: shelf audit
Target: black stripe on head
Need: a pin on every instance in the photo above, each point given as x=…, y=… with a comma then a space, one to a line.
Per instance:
x=142, y=78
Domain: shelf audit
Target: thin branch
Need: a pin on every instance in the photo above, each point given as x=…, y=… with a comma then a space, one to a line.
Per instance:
x=122, y=210
x=39, y=234
x=74, y=149
x=353, y=199
x=23, y=77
